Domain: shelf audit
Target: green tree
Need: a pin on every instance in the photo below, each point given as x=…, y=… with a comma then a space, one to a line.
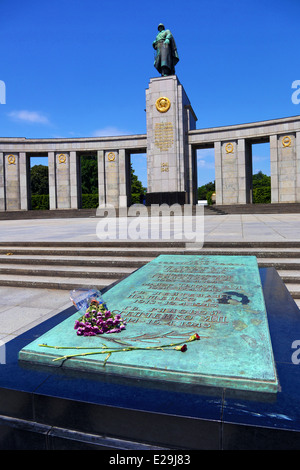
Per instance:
x=138, y=191
x=40, y=202
x=39, y=183
x=260, y=180
x=261, y=184
x=89, y=174
x=206, y=188
x=39, y=187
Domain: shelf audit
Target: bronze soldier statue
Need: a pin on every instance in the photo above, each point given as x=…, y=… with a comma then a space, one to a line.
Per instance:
x=166, y=52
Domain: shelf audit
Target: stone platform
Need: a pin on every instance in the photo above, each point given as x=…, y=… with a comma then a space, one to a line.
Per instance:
x=52, y=408
x=165, y=302
x=47, y=408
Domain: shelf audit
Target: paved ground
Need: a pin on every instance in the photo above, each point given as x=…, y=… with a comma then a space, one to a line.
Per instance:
x=232, y=227
x=22, y=309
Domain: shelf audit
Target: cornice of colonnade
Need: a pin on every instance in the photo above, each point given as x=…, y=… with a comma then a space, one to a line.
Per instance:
x=259, y=130
x=133, y=143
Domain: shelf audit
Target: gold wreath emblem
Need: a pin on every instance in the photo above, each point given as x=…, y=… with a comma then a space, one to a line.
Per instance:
x=11, y=159
x=286, y=141
x=163, y=104
x=62, y=158
x=111, y=156
x=229, y=147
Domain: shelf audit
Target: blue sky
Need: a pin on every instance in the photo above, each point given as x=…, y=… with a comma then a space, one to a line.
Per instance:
x=80, y=68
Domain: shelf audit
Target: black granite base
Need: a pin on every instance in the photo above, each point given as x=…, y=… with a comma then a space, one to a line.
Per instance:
x=51, y=408
x=176, y=197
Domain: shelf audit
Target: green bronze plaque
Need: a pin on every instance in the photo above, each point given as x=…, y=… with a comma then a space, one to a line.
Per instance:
x=165, y=303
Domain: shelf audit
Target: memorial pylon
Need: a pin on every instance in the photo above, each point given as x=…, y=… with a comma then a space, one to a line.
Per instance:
x=171, y=166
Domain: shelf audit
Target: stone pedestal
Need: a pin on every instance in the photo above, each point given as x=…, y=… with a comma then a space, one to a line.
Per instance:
x=170, y=160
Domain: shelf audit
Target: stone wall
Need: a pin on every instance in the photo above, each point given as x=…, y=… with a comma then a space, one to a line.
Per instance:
x=170, y=143
x=64, y=169
x=233, y=159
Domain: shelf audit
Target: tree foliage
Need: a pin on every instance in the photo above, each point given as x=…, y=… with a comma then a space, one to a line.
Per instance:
x=89, y=201
x=39, y=183
x=138, y=191
x=40, y=202
x=261, y=180
x=261, y=193
x=261, y=188
x=89, y=174
x=205, y=189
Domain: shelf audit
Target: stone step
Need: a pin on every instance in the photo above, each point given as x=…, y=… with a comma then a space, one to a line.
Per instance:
x=297, y=302
x=274, y=208
x=120, y=261
x=289, y=276
x=76, y=279
x=110, y=268
x=279, y=263
x=67, y=271
x=148, y=244
x=82, y=261
x=88, y=251
x=294, y=290
x=121, y=258
x=136, y=251
x=253, y=244
x=258, y=252
x=45, y=282
x=47, y=214
x=65, y=265
x=99, y=244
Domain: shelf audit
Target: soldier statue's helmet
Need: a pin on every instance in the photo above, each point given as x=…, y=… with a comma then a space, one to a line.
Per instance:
x=161, y=25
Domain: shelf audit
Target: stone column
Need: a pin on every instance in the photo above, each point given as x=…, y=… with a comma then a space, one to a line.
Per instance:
x=233, y=173
x=101, y=178
x=218, y=173
x=297, y=166
x=111, y=165
x=169, y=117
x=192, y=187
x=52, y=180
x=2, y=183
x=122, y=179
x=74, y=180
x=287, y=168
x=229, y=156
x=12, y=181
x=244, y=179
x=274, y=169
x=24, y=181
x=63, y=186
